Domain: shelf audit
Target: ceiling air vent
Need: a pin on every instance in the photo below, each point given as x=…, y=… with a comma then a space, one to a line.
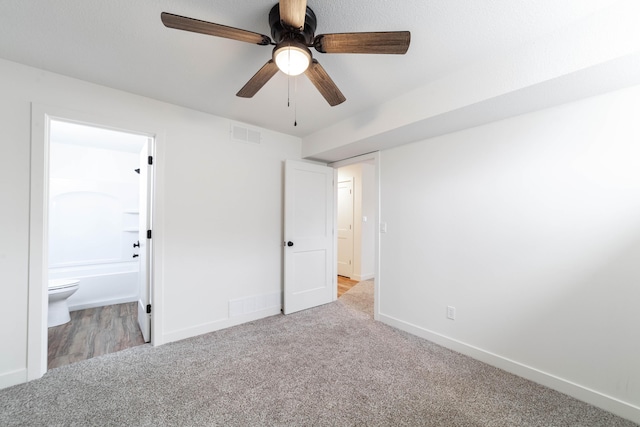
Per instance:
x=241, y=133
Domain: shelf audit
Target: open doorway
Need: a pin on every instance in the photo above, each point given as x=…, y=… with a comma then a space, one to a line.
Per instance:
x=357, y=206
x=97, y=254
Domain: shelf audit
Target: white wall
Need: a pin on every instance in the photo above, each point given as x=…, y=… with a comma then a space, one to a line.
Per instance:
x=530, y=228
x=220, y=227
x=369, y=227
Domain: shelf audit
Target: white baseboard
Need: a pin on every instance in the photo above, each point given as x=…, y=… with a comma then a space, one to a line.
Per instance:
x=593, y=397
x=217, y=325
x=12, y=378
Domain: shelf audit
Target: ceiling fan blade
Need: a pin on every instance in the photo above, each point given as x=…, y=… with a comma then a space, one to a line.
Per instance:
x=324, y=84
x=258, y=80
x=392, y=42
x=197, y=26
x=293, y=12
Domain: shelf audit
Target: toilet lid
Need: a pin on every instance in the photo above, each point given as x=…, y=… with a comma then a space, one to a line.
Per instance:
x=62, y=283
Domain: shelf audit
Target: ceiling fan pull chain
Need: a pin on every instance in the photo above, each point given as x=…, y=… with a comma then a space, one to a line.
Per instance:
x=295, y=101
x=288, y=91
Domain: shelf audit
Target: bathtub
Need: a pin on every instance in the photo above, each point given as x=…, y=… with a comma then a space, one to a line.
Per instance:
x=100, y=284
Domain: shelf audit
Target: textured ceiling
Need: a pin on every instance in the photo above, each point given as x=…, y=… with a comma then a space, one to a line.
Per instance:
x=122, y=44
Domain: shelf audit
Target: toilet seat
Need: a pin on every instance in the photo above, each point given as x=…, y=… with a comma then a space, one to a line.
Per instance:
x=57, y=284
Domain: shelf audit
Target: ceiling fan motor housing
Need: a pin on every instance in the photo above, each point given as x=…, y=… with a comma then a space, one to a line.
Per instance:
x=281, y=32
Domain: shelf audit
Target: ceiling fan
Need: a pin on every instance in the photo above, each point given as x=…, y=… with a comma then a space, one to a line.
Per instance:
x=293, y=25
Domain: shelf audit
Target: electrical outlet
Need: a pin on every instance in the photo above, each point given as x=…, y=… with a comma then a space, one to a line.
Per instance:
x=451, y=312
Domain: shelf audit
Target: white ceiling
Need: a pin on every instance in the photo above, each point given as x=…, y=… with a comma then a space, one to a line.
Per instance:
x=122, y=44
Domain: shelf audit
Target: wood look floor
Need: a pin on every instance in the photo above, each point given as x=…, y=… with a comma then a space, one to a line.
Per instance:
x=94, y=332
x=344, y=284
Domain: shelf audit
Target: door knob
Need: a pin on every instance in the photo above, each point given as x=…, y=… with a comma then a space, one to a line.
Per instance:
x=137, y=244
x=289, y=243
x=136, y=255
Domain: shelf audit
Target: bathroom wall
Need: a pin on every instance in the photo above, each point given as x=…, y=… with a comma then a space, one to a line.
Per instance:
x=93, y=213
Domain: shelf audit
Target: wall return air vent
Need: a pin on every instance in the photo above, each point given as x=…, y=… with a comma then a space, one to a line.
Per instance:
x=241, y=133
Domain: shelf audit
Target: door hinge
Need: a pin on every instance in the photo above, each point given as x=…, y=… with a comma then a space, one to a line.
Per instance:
x=150, y=160
x=148, y=234
x=148, y=308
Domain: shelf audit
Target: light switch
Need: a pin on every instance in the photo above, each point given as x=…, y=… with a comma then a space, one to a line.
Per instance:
x=383, y=227
x=364, y=219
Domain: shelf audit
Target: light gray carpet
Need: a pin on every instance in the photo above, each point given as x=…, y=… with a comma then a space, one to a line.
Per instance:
x=328, y=366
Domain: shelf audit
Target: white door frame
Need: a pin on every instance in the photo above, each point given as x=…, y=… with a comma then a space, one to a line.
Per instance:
x=373, y=158
x=41, y=117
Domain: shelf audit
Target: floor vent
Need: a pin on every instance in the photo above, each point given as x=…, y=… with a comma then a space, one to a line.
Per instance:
x=254, y=304
x=244, y=134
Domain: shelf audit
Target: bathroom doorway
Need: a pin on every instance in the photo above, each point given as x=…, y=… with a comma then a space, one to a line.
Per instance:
x=99, y=221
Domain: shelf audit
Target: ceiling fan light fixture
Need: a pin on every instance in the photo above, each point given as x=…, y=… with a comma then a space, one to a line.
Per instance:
x=293, y=35
x=292, y=58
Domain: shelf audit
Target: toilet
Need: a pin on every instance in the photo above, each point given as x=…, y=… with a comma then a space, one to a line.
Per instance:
x=59, y=291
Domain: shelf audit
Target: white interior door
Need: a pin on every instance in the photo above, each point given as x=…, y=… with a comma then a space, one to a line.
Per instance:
x=144, y=250
x=345, y=228
x=309, y=278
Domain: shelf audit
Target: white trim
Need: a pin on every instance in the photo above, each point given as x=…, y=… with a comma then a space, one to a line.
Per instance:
x=37, y=308
x=38, y=239
x=585, y=394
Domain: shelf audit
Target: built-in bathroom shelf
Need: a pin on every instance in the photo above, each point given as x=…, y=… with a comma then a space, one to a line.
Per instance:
x=131, y=222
